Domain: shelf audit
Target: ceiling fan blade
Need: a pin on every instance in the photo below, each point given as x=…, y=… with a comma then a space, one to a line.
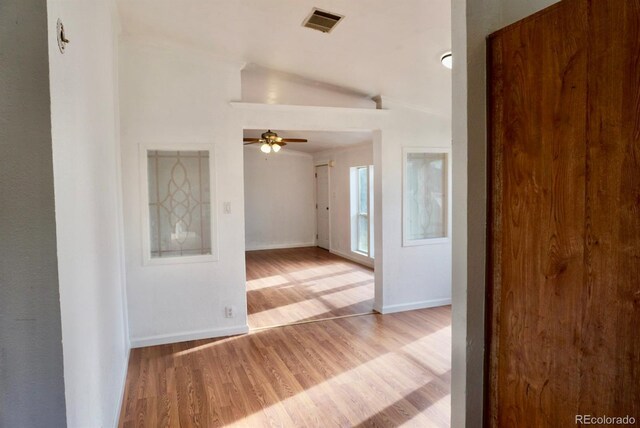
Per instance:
x=253, y=140
x=294, y=140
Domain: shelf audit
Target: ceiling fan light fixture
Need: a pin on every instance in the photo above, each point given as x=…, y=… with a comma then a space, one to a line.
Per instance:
x=269, y=135
x=270, y=141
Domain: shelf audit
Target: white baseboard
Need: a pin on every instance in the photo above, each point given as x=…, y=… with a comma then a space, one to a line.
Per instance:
x=123, y=385
x=163, y=339
x=362, y=260
x=390, y=309
x=279, y=246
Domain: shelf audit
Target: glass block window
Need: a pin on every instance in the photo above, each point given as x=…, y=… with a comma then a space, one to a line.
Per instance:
x=179, y=203
x=425, y=197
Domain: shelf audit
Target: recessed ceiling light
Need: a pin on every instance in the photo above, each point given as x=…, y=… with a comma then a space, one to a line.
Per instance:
x=447, y=60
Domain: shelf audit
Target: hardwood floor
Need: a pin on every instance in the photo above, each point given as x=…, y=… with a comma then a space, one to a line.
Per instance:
x=301, y=284
x=371, y=370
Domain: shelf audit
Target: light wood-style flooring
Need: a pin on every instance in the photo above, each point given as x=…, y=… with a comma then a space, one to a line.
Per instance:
x=302, y=284
x=370, y=370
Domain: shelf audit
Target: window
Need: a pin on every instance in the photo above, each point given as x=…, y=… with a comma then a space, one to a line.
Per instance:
x=362, y=210
x=362, y=245
x=178, y=206
x=425, y=197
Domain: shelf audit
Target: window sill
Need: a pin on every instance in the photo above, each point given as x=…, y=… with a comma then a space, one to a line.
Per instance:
x=160, y=261
x=430, y=241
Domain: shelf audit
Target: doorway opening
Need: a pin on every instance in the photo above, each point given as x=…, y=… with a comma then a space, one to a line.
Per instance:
x=309, y=228
x=322, y=207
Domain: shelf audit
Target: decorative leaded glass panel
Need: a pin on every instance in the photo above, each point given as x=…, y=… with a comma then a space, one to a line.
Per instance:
x=426, y=200
x=179, y=203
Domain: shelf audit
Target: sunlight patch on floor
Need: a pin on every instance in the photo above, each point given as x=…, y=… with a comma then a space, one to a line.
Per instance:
x=266, y=282
x=443, y=405
x=426, y=345
x=320, y=272
x=309, y=308
x=208, y=345
x=391, y=368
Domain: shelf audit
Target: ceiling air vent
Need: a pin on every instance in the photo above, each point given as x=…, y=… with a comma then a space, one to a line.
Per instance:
x=321, y=20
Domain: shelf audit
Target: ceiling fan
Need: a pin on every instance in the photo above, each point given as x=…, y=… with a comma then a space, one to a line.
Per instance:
x=270, y=141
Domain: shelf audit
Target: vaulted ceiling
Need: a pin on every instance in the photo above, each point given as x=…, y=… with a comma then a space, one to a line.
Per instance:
x=385, y=47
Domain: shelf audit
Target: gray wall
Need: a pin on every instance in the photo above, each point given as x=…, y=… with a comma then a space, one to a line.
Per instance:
x=31, y=371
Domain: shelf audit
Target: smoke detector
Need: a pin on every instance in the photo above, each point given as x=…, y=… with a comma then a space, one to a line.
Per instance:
x=322, y=20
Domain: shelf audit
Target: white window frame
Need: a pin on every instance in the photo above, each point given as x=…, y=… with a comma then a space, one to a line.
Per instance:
x=446, y=151
x=147, y=260
x=355, y=209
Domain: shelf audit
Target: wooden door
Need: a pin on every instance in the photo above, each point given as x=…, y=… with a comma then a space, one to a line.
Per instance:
x=322, y=206
x=564, y=229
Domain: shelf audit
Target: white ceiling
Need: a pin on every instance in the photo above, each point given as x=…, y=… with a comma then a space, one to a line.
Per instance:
x=318, y=140
x=382, y=47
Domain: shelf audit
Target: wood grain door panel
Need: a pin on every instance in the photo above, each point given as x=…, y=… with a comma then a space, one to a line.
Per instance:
x=564, y=232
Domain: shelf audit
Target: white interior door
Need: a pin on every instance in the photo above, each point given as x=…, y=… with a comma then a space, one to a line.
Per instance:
x=322, y=206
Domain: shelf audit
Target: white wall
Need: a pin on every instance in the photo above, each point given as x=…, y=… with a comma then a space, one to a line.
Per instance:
x=174, y=94
x=340, y=194
x=264, y=85
x=472, y=22
x=88, y=210
x=419, y=276
x=279, y=199
x=178, y=95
